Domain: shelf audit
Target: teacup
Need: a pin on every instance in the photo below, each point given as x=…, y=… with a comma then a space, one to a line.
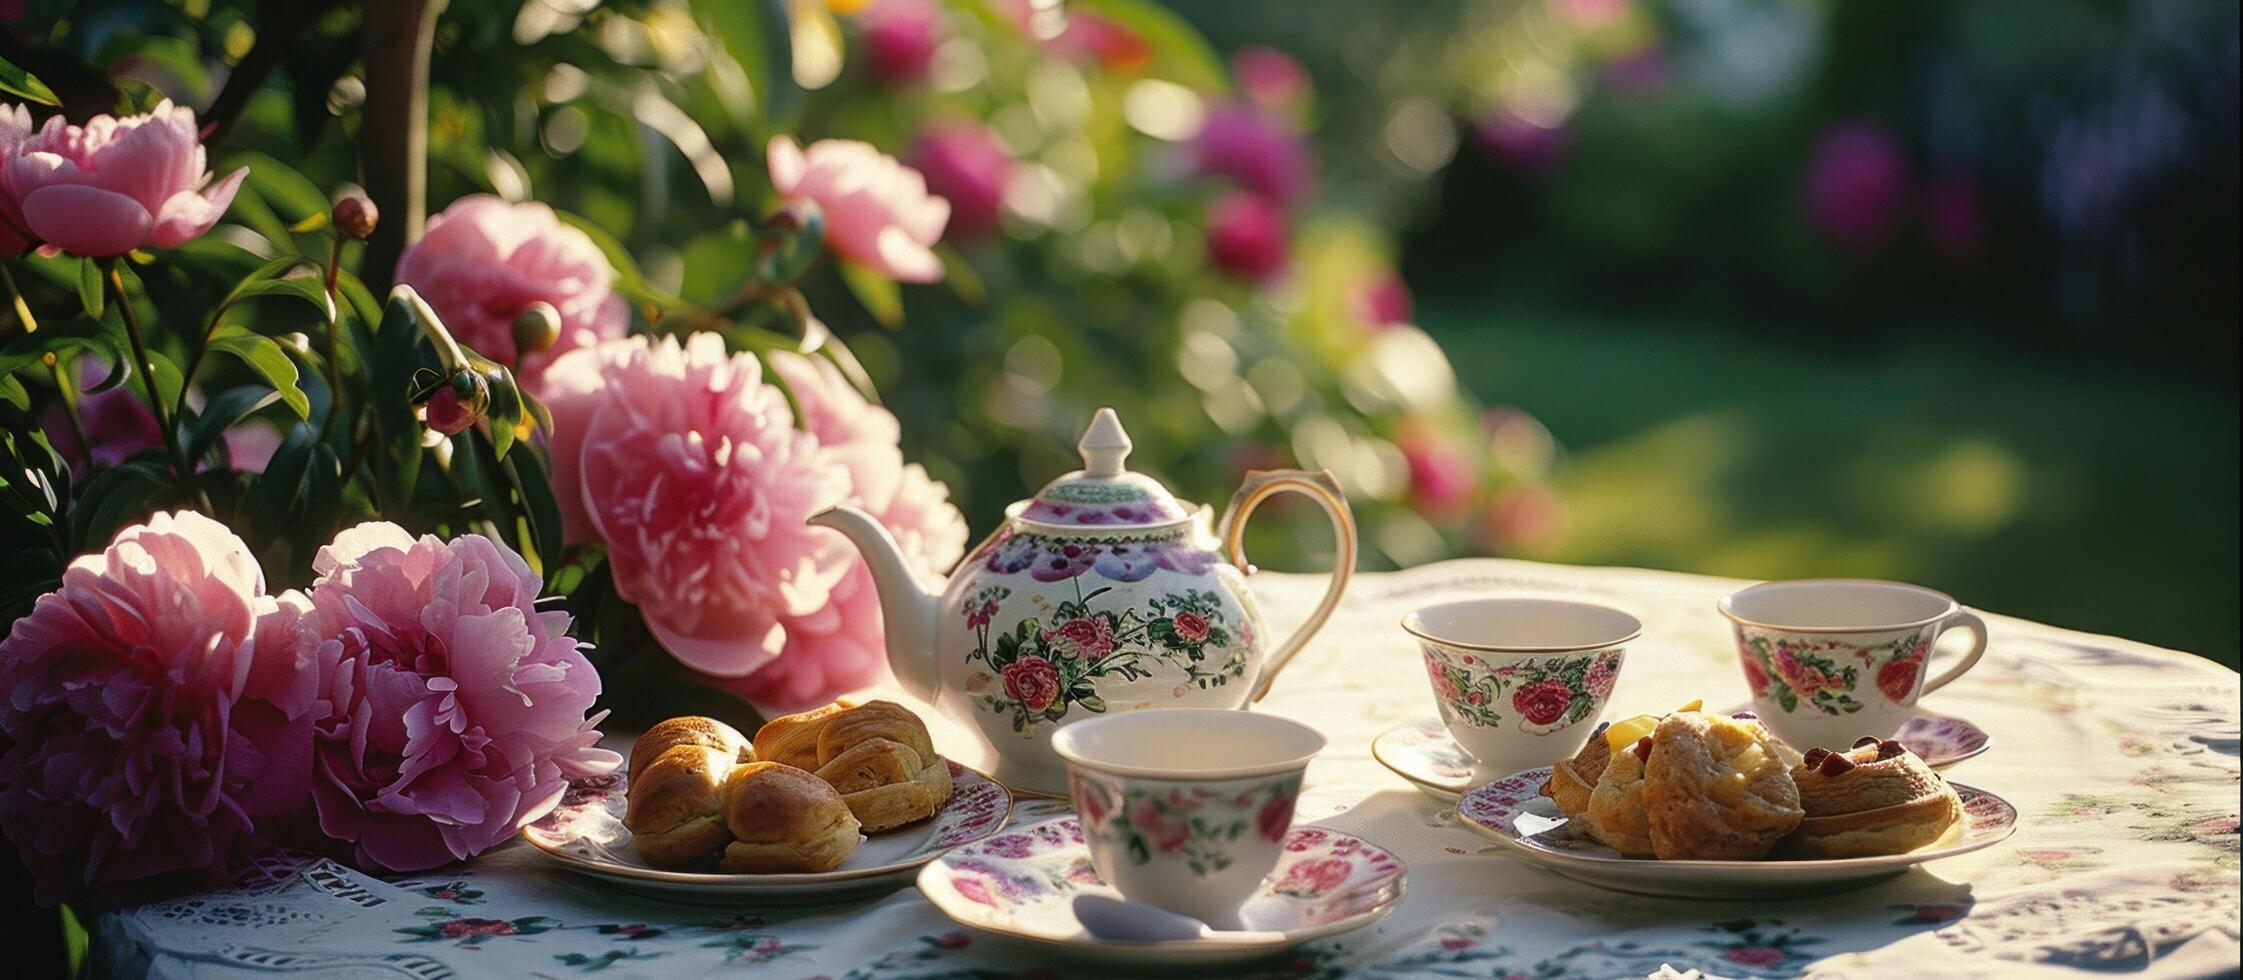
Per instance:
x=1831, y=660
x=1186, y=808
x=1521, y=682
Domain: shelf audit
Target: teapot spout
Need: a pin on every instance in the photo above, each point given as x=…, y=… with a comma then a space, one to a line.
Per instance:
x=907, y=609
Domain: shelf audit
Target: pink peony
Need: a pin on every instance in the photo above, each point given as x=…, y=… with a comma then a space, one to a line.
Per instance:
x=689, y=466
x=113, y=185
x=1854, y=185
x=1247, y=236
x=1269, y=77
x=158, y=708
x=841, y=647
x=484, y=260
x=1248, y=146
x=1441, y=473
x=900, y=38
x=965, y=164
x=15, y=127
x=878, y=212
x=455, y=711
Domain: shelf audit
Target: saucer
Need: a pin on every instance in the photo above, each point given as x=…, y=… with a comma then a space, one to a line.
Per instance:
x=585, y=834
x=1512, y=811
x=1023, y=883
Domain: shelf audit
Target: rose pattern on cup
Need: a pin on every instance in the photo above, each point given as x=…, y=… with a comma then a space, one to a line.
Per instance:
x=1545, y=694
x=1195, y=822
x=1044, y=668
x=1826, y=674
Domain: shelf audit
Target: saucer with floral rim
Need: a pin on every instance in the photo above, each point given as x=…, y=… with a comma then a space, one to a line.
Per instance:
x=1022, y=884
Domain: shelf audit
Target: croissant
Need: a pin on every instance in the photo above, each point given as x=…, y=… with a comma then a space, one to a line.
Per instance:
x=782, y=819
x=707, y=732
x=673, y=807
x=877, y=755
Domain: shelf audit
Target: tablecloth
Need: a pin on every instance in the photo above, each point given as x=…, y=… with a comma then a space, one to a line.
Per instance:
x=2121, y=757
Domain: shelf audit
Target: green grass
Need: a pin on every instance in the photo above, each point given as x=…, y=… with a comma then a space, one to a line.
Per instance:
x=2092, y=497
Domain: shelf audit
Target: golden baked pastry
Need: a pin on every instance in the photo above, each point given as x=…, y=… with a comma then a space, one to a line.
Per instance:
x=674, y=807
x=877, y=755
x=1877, y=798
x=1573, y=781
x=782, y=819
x=1716, y=788
x=692, y=730
x=1616, y=813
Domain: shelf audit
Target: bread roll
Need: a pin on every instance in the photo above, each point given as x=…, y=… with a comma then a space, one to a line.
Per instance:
x=793, y=739
x=878, y=755
x=1717, y=788
x=694, y=730
x=674, y=806
x=783, y=819
x=1877, y=798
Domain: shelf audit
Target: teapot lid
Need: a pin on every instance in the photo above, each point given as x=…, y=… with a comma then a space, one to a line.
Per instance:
x=1104, y=493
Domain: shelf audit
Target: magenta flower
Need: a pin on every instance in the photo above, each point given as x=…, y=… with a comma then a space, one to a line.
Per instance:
x=158, y=710
x=15, y=127
x=900, y=38
x=1441, y=473
x=455, y=710
x=1854, y=185
x=1260, y=153
x=878, y=212
x=1384, y=302
x=485, y=260
x=1269, y=78
x=1247, y=236
x=965, y=164
x=114, y=185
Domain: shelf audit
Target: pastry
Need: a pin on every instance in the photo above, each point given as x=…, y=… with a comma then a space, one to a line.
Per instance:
x=674, y=807
x=1573, y=781
x=1716, y=788
x=1877, y=798
x=1616, y=814
x=691, y=730
x=877, y=755
x=783, y=819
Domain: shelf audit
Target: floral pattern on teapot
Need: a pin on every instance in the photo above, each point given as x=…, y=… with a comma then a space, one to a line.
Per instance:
x=1040, y=669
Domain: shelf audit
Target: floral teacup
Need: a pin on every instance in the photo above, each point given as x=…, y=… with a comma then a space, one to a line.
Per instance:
x=1186, y=808
x=1521, y=682
x=1831, y=660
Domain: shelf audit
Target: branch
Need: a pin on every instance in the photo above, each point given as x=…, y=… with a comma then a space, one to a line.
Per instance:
x=393, y=141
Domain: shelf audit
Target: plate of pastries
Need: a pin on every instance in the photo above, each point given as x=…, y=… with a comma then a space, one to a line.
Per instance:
x=1699, y=804
x=839, y=801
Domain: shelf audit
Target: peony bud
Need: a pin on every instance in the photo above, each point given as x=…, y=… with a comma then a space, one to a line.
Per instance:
x=458, y=403
x=355, y=215
x=536, y=328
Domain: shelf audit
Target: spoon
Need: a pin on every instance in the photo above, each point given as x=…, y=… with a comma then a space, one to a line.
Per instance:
x=1123, y=920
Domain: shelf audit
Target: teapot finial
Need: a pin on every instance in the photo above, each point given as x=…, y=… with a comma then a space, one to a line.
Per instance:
x=1104, y=445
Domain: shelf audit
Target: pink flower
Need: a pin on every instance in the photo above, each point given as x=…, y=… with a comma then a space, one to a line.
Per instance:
x=1191, y=626
x=1854, y=184
x=1542, y=702
x=158, y=708
x=841, y=647
x=1310, y=879
x=964, y=163
x=1165, y=834
x=1033, y=682
x=1441, y=474
x=1088, y=638
x=1384, y=302
x=1276, y=816
x=484, y=260
x=1246, y=236
x=690, y=468
x=113, y=185
x=455, y=711
x=878, y=212
x=15, y=127
x=1248, y=146
x=1602, y=672
x=1756, y=676
x=1269, y=78
x=900, y=38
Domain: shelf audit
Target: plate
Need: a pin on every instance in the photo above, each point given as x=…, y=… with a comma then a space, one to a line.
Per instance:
x=1510, y=811
x=585, y=834
x=1423, y=753
x=1023, y=884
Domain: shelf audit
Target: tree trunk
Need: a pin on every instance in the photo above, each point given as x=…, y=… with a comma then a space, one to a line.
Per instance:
x=393, y=141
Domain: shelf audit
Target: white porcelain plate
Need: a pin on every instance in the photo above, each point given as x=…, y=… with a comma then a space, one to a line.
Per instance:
x=1511, y=811
x=586, y=835
x=1023, y=883
x=1423, y=753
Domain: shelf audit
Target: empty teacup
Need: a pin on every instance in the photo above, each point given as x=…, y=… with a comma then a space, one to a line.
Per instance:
x=1186, y=808
x=1831, y=660
x=1521, y=682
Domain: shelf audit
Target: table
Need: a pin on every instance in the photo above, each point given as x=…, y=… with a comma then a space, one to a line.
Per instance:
x=2121, y=757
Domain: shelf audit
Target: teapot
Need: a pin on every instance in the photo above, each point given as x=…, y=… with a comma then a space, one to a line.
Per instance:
x=1101, y=593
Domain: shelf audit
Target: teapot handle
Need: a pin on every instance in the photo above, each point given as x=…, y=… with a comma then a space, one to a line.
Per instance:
x=1260, y=485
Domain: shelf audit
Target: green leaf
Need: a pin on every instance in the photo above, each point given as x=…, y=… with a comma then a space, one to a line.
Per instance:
x=231, y=406
x=527, y=472
x=964, y=280
x=879, y=294
x=91, y=293
x=265, y=356
x=277, y=495
x=115, y=497
x=24, y=85
x=628, y=279
x=291, y=194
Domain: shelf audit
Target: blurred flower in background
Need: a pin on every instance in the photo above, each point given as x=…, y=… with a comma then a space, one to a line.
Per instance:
x=1854, y=186
x=965, y=164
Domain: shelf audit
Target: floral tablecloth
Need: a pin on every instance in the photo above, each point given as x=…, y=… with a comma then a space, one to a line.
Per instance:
x=2122, y=759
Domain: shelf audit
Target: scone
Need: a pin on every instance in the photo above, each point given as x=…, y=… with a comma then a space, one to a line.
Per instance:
x=1616, y=812
x=784, y=820
x=1716, y=788
x=1878, y=798
x=1573, y=781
